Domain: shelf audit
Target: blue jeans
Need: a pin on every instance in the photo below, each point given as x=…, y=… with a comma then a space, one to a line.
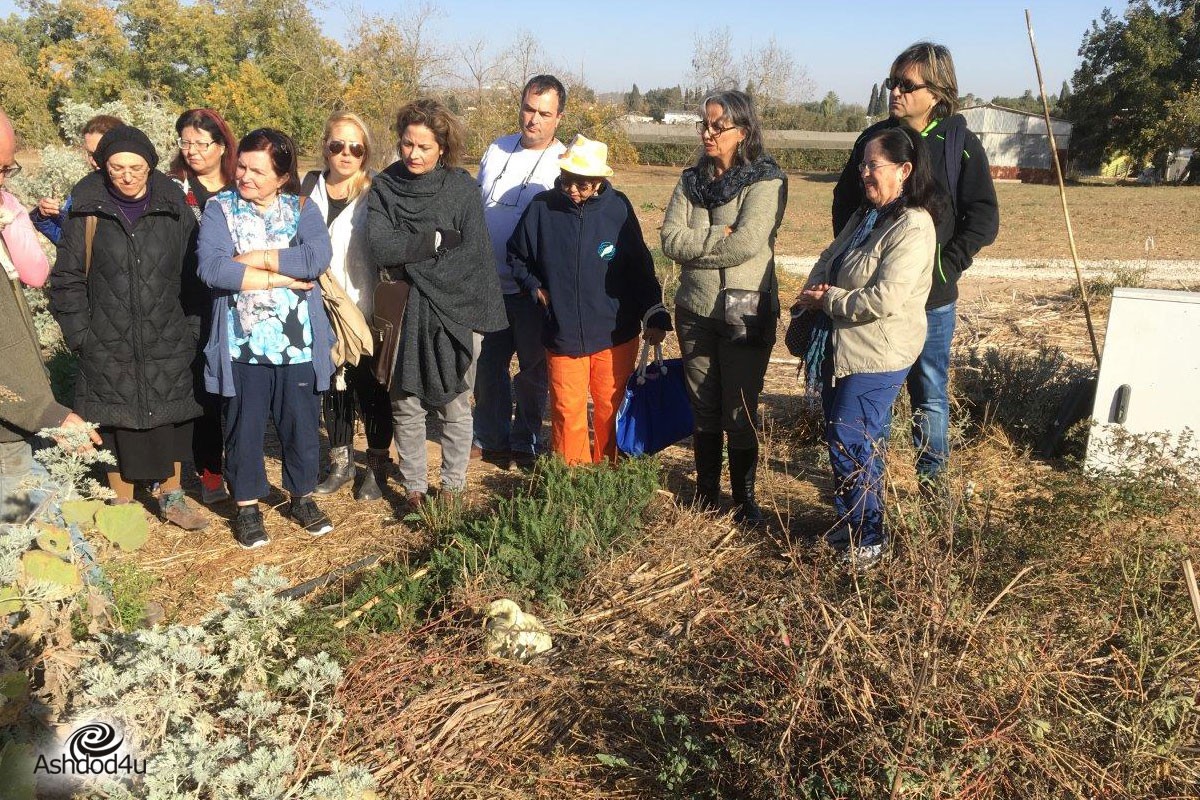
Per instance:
x=858, y=417
x=22, y=481
x=496, y=427
x=928, y=388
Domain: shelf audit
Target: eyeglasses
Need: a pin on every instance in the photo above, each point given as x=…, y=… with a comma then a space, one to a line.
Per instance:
x=121, y=172
x=713, y=131
x=580, y=182
x=11, y=171
x=871, y=168
x=905, y=86
x=501, y=201
x=336, y=146
x=199, y=147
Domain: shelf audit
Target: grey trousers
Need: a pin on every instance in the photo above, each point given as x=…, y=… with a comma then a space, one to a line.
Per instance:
x=409, y=416
x=723, y=379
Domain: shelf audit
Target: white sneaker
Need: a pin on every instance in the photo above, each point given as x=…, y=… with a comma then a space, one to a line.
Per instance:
x=864, y=556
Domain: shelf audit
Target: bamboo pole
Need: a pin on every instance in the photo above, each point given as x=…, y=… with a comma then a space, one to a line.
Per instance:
x=1193, y=591
x=1062, y=193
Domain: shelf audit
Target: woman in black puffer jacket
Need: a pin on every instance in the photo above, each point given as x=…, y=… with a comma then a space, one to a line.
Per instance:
x=133, y=316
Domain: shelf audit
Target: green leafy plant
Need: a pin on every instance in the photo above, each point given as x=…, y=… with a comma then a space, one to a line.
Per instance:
x=543, y=541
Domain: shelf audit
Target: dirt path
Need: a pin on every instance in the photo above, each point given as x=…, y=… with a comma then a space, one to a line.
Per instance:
x=1159, y=271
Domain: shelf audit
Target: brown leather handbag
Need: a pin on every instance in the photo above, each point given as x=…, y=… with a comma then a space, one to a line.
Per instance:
x=387, y=320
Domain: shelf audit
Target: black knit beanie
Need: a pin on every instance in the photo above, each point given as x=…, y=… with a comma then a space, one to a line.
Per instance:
x=126, y=139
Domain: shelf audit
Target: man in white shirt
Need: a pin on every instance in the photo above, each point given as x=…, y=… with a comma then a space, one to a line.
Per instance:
x=514, y=169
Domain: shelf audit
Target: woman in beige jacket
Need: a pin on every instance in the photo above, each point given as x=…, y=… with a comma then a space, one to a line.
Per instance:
x=720, y=226
x=868, y=293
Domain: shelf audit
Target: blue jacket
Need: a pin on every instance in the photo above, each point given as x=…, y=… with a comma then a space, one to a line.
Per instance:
x=593, y=262
x=51, y=227
x=305, y=260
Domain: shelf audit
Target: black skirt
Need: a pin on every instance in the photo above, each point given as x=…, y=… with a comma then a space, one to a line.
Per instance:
x=148, y=455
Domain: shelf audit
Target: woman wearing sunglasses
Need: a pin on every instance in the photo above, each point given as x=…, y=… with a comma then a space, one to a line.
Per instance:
x=720, y=226
x=203, y=166
x=270, y=351
x=868, y=292
x=340, y=193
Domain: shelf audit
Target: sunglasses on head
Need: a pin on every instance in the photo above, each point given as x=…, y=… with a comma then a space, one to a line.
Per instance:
x=276, y=139
x=356, y=149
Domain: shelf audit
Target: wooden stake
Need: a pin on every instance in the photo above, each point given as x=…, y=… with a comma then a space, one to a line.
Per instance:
x=1189, y=575
x=1062, y=193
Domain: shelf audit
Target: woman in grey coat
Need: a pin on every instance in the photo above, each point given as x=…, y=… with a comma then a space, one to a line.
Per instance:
x=720, y=227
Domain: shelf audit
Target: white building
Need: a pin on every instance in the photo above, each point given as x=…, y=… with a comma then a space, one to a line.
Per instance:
x=1016, y=142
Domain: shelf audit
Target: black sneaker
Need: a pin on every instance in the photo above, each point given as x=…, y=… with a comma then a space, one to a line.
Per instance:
x=248, y=528
x=306, y=514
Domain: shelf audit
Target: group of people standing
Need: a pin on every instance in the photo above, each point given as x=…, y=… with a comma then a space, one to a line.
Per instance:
x=195, y=302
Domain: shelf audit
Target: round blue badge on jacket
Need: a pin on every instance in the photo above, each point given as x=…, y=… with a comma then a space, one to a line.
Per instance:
x=606, y=250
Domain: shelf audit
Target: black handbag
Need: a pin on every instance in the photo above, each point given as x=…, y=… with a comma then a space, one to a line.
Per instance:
x=748, y=314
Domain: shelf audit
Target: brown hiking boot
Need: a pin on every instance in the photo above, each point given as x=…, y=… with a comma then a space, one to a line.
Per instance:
x=174, y=507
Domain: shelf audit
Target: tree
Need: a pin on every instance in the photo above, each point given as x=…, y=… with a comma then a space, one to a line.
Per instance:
x=713, y=64
x=79, y=48
x=480, y=67
x=829, y=104
x=25, y=99
x=633, y=100
x=873, y=103
x=772, y=73
x=1065, y=91
x=180, y=49
x=1132, y=68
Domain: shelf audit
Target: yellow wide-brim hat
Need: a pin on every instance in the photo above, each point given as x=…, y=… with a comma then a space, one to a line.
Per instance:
x=586, y=157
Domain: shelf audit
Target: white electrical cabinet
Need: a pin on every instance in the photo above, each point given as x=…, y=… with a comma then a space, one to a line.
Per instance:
x=1149, y=379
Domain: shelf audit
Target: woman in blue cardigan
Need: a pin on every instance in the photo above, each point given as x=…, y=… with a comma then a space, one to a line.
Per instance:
x=269, y=352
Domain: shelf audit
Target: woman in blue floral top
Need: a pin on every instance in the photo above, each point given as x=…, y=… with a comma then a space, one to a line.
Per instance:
x=269, y=353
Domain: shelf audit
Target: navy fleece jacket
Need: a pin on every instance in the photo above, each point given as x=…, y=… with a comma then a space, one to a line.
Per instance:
x=593, y=262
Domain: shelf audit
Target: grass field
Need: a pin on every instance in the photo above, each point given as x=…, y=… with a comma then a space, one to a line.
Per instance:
x=1109, y=221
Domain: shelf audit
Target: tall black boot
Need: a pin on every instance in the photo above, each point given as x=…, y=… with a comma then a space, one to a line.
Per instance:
x=708, y=447
x=341, y=470
x=375, y=476
x=743, y=469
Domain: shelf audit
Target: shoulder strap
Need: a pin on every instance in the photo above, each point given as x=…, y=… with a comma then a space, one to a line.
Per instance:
x=89, y=236
x=956, y=139
x=309, y=183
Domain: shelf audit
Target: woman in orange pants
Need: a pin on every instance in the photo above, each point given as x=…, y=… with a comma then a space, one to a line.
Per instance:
x=579, y=251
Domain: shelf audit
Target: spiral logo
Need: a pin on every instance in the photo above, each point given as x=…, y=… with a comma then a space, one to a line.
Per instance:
x=94, y=740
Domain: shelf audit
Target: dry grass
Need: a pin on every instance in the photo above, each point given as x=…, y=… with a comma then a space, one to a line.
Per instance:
x=1110, y=222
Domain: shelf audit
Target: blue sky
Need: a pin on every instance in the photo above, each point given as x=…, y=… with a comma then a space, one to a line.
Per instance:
x=844, y=45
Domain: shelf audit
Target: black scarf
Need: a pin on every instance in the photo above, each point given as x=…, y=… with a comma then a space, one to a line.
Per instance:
x=710, y=193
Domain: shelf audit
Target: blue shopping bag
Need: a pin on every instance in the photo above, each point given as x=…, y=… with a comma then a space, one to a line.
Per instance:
x=655, y=413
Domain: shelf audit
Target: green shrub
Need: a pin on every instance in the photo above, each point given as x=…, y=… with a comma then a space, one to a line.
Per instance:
x=542, y=542
x=1021, y=391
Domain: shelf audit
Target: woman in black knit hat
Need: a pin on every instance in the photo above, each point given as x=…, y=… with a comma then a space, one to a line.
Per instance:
x=128, y=300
